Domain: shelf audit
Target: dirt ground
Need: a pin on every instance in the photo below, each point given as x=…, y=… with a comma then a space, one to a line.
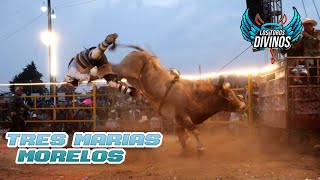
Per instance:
x=228, y=155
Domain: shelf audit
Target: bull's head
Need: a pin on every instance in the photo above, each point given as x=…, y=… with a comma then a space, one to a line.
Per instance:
x=229, y=101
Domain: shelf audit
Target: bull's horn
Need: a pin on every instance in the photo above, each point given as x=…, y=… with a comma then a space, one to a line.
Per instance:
x=226, y=85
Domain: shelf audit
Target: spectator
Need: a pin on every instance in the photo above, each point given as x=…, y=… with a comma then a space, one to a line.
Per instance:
x=17, y=108
x=310, y=45
x=113, y=120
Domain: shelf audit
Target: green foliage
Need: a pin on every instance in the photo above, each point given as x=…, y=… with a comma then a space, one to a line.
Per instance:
x=29, y=74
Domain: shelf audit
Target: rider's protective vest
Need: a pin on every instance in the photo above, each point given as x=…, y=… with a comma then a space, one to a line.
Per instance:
x=85, y=63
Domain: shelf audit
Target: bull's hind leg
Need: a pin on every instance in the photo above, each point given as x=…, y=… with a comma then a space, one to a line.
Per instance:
x=188, y=124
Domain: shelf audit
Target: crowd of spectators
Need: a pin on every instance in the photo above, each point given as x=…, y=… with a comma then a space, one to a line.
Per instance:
x=112, y=110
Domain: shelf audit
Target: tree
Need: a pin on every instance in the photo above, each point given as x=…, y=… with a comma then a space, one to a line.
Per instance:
x=30, y=74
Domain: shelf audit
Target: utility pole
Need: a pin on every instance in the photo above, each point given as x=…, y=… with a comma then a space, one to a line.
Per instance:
x=52, y=78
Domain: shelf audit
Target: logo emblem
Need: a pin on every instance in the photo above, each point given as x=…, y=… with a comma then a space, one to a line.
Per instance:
x=271, y=35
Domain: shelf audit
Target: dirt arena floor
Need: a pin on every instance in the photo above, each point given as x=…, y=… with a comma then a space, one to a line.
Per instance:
x=228, y=155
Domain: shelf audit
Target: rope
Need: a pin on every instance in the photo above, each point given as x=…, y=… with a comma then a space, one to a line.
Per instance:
x=234, y=58
x=6, y=37
x=304, y=7
x=316, y=9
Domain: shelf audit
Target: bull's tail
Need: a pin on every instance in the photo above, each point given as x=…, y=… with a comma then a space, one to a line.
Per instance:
x=116, y=45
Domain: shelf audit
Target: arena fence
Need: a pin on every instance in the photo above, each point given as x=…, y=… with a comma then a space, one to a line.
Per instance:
x=108, y=107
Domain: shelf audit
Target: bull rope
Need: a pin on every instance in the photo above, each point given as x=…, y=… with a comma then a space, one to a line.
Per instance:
x=165, y=95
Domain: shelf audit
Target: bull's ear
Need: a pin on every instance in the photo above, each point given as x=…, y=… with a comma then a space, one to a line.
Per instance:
x=226, y=85
x=221, y=82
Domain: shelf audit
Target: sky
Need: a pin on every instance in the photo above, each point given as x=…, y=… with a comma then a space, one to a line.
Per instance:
x=182, y=33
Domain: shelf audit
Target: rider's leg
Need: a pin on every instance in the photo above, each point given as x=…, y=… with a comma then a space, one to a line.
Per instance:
x=97, y=52
x=116, y=83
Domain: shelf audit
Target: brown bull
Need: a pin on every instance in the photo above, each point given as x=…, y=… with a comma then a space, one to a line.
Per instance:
x=186, y=102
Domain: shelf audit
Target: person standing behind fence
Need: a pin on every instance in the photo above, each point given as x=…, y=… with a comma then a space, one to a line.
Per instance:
x=309, y=43
x=113, y=121
x=310, y=40
x=16, y=108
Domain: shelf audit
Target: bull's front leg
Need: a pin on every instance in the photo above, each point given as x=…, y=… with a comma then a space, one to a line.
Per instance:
x=188, y=124
x=182, y=135
x=196, y=134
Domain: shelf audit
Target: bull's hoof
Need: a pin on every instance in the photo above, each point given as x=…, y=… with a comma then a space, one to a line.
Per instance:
x=200, y=150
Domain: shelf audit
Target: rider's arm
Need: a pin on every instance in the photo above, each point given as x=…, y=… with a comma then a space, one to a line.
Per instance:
x=315, y=37
x=92, y=78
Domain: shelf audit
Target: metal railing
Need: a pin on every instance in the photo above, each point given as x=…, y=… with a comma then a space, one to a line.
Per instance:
x=73, y=105
x=55, y=108
x=95, y=107
x=289, y=95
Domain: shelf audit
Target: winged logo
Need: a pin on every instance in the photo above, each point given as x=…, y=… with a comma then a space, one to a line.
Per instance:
x=294, y=28
x=250, y=30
